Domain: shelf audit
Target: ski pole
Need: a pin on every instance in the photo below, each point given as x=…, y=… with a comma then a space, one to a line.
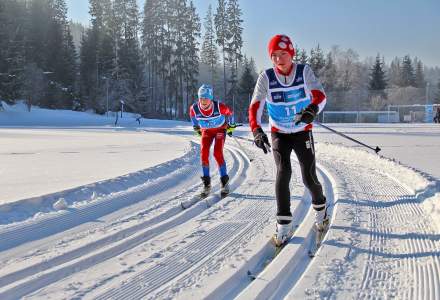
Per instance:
x=377, y=149
x=242, y=148
x=239, y=144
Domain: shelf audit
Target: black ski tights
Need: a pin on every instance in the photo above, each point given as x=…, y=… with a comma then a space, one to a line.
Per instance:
x=302, y=144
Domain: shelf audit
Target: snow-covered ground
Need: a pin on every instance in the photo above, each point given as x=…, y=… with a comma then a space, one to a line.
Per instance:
x=121, y=233
x=37, y=162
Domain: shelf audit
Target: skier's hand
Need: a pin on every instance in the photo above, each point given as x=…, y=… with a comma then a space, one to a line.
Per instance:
x=261, y=140
x=307, y=115
x=230, y=129
x=197, y=130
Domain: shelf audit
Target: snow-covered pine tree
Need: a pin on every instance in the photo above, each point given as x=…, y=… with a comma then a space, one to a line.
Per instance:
x=77, y=29
x=40, y=20
x=317, y=60
x=13, y=30
x=209, y=54
x=108, y=46
x=65, y=66
x=378, y=82
x=150, y=48
x=90, y=58
x=302, y=56
x=234, y=45
x=348, y=63
x=329, y=74
x=191, y=58
x=245, y=89
x=172, y=39
x=407, y=73
x=222, y=36
x=165, y=54
x=178, y=66
x=88, y=69
x=420, y=81
x=128, y=75
x=395, y=72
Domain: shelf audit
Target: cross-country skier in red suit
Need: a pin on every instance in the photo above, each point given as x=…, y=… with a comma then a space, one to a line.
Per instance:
x=210, y=121
x=294, y=96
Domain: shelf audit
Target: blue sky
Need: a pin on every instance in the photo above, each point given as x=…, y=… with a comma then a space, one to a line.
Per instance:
x=390, y=27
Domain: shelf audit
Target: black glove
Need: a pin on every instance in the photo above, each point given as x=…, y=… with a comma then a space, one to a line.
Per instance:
x=260, y=139
x=197, y=130
x=307, y=115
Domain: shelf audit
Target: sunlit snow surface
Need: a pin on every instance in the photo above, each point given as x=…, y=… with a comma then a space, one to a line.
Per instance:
x=123, y=234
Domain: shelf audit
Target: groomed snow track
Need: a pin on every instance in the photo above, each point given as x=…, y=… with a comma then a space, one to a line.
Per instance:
x=163, y=195
x=381, y=244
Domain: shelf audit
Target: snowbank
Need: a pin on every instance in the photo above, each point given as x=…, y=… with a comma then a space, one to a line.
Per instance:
x=19, y=115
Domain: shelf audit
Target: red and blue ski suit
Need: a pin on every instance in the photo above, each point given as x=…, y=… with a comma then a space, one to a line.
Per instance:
x=213, y=123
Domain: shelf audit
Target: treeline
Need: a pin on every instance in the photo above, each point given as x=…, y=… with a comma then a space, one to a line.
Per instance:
x=149, y=60
x=371, y=84
x=37, y=55
x=154, y=58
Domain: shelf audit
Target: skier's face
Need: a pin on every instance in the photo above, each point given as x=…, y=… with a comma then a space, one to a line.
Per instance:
x=282, y=60
x=205, y=103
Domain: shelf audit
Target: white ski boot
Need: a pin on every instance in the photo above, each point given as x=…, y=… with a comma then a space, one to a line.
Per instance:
x=283, y=234
x=321, y=221
x=320, y=228
x=225, y=185
x=206, y=189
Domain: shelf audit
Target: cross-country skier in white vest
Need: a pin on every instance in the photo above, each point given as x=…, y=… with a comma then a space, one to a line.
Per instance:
x=294, y=97
x=211, y=121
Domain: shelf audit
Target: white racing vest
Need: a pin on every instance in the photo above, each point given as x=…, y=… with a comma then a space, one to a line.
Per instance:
x=284, y=101
x=215, y=120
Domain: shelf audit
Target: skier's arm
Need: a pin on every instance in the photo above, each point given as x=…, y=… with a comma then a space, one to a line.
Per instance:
x=258, y=100
x=225, y=110
x=314, y=88
x=192, y=115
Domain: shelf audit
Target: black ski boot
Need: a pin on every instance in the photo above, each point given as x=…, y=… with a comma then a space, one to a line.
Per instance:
x=206, y=186
x=225, y=185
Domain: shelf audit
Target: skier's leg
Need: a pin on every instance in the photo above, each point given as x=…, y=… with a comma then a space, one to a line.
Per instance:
x=305, y=151
x=206, y=142
x=218, y=152
x=282, y=149
x=205, y=145
x=218, y=155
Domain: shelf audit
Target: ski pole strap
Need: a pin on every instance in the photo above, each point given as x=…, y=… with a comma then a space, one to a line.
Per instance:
x=377, y=149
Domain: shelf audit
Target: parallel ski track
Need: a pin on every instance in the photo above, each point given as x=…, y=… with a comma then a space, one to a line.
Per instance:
x=14, y=236
x=185, y=259
x=233, y=245
x=420, y=255
x=228, y=238
x=400, y=244
x=124, y=240
x=273, y=283
x=145, y=283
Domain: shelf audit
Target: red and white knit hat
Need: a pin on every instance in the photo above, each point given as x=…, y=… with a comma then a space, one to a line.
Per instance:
x=281, y=42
